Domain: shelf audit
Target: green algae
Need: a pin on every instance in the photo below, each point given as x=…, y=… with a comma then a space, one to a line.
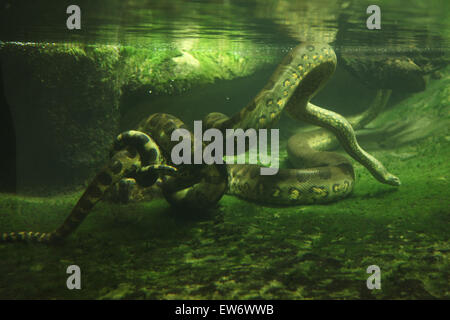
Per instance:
x=176, y=69
x=241, y=250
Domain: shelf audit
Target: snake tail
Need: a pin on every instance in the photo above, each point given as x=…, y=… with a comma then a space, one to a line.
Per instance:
x=124, y=163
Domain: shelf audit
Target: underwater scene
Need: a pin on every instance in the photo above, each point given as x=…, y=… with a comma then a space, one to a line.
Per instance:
x=225, y=149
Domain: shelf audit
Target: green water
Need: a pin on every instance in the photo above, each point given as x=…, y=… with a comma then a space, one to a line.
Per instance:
x=63, y=103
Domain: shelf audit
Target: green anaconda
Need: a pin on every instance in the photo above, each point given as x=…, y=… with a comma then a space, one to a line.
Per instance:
x=145, y=154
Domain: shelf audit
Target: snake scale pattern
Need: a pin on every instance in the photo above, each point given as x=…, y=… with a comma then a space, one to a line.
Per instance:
x=318, y=177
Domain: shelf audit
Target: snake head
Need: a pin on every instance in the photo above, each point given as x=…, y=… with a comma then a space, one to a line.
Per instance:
x=162, y=169
x=392, y=180
x=147, y=176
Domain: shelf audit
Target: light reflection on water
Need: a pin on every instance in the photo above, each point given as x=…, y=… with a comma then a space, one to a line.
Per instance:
x=280, y=23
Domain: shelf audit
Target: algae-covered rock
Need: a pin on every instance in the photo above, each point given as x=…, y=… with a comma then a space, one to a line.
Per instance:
x=188, y=63
x=402, y=70
x=385, y=72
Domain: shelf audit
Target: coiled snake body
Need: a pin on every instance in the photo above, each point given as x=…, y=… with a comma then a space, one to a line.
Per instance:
x=319, y=176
